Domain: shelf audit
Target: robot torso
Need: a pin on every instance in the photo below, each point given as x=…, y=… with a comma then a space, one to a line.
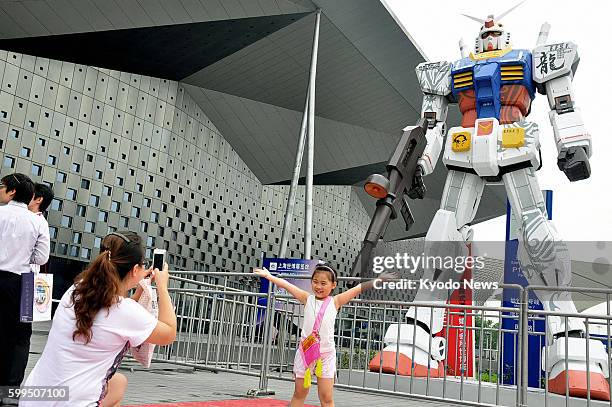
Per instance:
x=495, y=84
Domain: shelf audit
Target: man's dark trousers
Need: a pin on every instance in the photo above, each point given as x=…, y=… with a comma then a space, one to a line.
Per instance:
x=14, y=335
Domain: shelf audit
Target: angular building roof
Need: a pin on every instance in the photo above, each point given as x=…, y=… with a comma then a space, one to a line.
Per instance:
x=246, y=64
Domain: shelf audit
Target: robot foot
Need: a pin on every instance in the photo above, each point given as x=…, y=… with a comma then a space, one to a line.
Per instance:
x=574, y=383
x=572, y=377
x=396, y=362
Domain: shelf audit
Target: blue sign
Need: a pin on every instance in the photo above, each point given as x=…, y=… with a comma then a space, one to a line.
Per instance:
x=511, y=299
x=277, y=266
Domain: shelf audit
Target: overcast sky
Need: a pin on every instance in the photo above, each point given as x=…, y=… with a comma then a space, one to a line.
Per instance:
x=581, y=210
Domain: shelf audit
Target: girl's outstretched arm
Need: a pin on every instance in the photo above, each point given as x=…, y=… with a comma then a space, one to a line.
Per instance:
x=296, y=292
x=346, y=296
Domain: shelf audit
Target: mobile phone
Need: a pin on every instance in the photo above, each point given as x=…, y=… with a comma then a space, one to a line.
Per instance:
x=159, y=258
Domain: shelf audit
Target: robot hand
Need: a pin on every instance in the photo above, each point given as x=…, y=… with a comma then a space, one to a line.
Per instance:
x=574, y=162
x=417, y=190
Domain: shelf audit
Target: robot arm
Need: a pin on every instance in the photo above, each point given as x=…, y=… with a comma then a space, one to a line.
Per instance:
x=553, y=70
x=434, y=79
x=434, y=110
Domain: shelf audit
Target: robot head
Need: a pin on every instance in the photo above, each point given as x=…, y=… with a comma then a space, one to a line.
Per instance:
x=492, y=36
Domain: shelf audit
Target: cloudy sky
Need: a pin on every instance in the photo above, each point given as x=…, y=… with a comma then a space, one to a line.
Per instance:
x=581, y=210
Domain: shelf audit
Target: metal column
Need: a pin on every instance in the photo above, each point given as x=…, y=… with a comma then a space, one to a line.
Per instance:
x=307, y=124
x=310, y=162
x=294, y=181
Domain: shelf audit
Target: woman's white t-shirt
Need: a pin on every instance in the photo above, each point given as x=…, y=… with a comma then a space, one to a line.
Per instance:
x=86, y=369
x=326, y=330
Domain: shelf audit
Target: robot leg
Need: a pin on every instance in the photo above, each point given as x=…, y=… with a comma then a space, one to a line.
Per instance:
x=447, y=236
x=545, y=260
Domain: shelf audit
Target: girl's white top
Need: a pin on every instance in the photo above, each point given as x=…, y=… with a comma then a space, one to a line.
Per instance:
x=326, y=331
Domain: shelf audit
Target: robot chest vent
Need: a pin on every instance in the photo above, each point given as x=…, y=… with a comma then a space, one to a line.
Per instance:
x=463, y=80
x=512, y=73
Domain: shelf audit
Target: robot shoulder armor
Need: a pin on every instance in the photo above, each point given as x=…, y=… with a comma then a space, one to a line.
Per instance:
x=434, y=77
x=554, y=60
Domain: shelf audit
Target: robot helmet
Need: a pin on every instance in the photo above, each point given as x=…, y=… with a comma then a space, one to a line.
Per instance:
x=492, y=36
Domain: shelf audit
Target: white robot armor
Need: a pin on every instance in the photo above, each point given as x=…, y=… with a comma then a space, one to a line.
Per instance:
x=494, y=88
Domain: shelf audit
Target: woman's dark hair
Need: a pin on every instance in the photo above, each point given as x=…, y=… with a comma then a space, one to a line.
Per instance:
x=325, y=268
x=21, y=184
x=44, y=192
x=99, y=286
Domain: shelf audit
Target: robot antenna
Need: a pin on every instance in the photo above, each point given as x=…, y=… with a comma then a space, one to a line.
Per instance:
x=505, y=13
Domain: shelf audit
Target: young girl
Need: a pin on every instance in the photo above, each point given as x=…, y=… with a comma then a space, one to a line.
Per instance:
x=323, y=282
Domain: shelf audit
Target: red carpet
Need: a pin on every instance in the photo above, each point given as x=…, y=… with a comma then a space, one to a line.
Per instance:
x=225, y=403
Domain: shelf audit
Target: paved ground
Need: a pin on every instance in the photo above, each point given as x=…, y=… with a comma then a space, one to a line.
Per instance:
x=165, y=383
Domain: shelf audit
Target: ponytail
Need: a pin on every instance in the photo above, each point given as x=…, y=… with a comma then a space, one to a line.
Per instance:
x=99, y=286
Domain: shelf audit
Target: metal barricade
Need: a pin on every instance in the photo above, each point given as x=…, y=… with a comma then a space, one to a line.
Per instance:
x=219, y=328
x=595, y=327
x=226, y=328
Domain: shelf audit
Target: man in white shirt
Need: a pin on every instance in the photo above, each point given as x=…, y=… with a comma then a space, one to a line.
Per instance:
x=43, y=195
x=24, y=240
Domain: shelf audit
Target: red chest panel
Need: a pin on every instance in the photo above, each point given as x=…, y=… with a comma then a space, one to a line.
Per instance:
x=515, y=103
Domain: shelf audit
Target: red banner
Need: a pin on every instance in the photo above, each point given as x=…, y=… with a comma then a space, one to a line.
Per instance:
x=460, y=341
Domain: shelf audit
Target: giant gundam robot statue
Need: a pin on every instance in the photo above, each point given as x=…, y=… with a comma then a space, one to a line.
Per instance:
x=494, y=88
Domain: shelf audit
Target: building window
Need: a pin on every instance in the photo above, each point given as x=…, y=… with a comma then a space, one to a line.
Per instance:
x=90, y=227
x=66, y=150
x=127, y=197
x=135, y=212
x=74, y=251
x=106, y=190
x=154, y=217
x=36, y=169
x=61, y=177
x=98, y=174
x=81, y=210
x=9, y=162
x=51, y=160
x=52, y=232
x=56, y=204
x=85, y=183
x=71, y=194
x=147, y=202
x=125, y=222
x=76, y=237
x=94, y=200
x=85, y=253
x=102, y=216
x=144, y=227
x=66, y=221
x=139, y=187
x=115, y=206
x=25, y=152
x=76, y=167
x=150, y=241
x=63, y=249
x=97, y=242
x=119, y=181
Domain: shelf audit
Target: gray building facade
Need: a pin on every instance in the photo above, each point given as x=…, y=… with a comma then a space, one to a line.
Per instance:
x=126, y=151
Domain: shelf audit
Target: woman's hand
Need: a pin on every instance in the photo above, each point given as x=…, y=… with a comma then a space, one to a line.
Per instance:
x=161, y=277
x=262, y=272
